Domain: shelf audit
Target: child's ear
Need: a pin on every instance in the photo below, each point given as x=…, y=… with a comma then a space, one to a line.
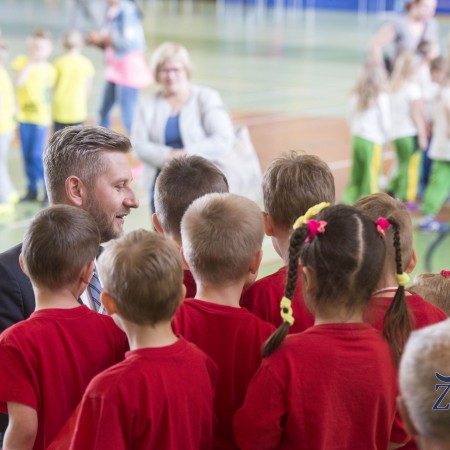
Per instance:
x=86, y=272
x=309, y=281
x=409, y=427
x=412, y=263
x=256, y=262
x=109, y=303
x=156, y=224
x=76, y=191
x=22, y=265
x=268, y=226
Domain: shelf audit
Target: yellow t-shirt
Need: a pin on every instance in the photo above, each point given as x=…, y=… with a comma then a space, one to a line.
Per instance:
x=34, y=95
x=7, y=106
x=70, y=99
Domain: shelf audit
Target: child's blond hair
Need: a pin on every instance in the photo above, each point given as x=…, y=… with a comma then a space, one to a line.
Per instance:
x=221, y=234
x=434, y=288
x=292, y=184
x=143, y=272
x=405, y=69
x=427, y=353
x=72, y=39
x=370, y=84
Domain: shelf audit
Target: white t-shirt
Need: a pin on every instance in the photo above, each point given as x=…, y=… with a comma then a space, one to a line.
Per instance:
x=401, y=107
x=429, y=90
x=440, y=144
x=374, y=123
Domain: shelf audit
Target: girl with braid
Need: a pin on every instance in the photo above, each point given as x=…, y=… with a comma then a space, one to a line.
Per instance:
x=332, y=386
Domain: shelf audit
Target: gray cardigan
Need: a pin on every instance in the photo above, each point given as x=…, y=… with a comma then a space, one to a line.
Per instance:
x=205, y=126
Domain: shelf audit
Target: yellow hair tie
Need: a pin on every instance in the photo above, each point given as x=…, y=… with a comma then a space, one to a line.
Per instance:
x=402, y=279
x=286, y=311
x=313, y=211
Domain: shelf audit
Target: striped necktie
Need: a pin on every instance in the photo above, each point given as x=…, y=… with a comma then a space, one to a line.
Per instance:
x=94, y=289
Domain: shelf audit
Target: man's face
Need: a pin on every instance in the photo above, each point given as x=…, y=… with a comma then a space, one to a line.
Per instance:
x=111, y=197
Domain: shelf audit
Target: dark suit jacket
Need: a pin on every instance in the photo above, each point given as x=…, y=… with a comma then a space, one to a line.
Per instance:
x=16, y=294
x=16, y=297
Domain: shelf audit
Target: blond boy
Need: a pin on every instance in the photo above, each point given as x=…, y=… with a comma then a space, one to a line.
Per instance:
x=161, y=396
x=222, y=236
x=292, y=184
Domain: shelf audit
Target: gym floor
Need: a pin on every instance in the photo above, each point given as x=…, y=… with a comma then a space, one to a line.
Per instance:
x=286, y=74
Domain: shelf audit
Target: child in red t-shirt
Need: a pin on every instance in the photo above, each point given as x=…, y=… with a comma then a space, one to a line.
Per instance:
x=424, y=385
x=332, y=386
x=181, y=181
x=291, y=184
x=161, y=396
x=414, y=311
x=222, y=236
x=48, y=360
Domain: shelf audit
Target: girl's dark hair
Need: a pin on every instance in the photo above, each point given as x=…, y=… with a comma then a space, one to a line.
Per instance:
x=397, y=324
x=346, y=260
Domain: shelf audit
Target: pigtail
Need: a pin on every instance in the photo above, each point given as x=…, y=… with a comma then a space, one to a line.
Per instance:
x=396, y=325
x=297, y=239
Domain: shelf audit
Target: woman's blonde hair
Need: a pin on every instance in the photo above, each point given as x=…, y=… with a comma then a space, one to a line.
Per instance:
x=169, y=51
x=405, y=68
x=371, y=82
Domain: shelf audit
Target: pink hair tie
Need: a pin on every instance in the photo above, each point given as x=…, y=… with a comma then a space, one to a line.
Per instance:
x=315, y=227
x=382, y=225
x=445, y=273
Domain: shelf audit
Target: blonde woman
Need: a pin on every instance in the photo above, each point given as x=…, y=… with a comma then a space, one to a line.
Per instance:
x=181, y=118
x=408, y=132
x=370, y=120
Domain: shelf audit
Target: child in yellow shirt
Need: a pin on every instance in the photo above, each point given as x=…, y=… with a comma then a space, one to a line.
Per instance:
x=73, y=83
x=35, y=78
x=7, y=125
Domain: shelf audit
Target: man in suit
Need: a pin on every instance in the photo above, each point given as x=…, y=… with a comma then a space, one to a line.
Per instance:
x=86, y=167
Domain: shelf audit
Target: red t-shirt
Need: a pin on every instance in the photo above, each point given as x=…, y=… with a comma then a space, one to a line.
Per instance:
x=189, y=282
x=331, y=387
x=233, y=338
x=158, y=398
x=263, y=299
x=421, y=313
x=48, y=360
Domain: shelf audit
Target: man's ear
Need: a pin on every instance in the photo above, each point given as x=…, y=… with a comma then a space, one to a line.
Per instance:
x=268, y=225
x=109, y=303
x=156, y=224
x=76, y=191
x=412, y=263
x=409, y=427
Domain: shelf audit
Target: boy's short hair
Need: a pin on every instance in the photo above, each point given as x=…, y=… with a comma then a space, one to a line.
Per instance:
x=143, y=272
x=72, y=39
x=59, y=242
x=181, y=181
x=40, y=33
x=221, y=233
x=292, y=184
x=437, y=64
x=427, y=352
x=434, y=288
x=383, y=205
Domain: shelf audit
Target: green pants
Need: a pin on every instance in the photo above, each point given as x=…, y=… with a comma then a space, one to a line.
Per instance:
x=405, y=182
x=365, y=170
x=438, y=187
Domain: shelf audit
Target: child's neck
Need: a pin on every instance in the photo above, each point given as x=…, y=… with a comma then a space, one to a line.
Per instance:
x=337, y=315
x=386, y=282
x=221, y=295
x=147, y=336
x=427, y=444
x=64, y=298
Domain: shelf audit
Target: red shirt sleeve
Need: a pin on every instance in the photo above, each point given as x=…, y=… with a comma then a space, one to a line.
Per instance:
x=258, y=423
x=16, y=379
x=101, y=423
